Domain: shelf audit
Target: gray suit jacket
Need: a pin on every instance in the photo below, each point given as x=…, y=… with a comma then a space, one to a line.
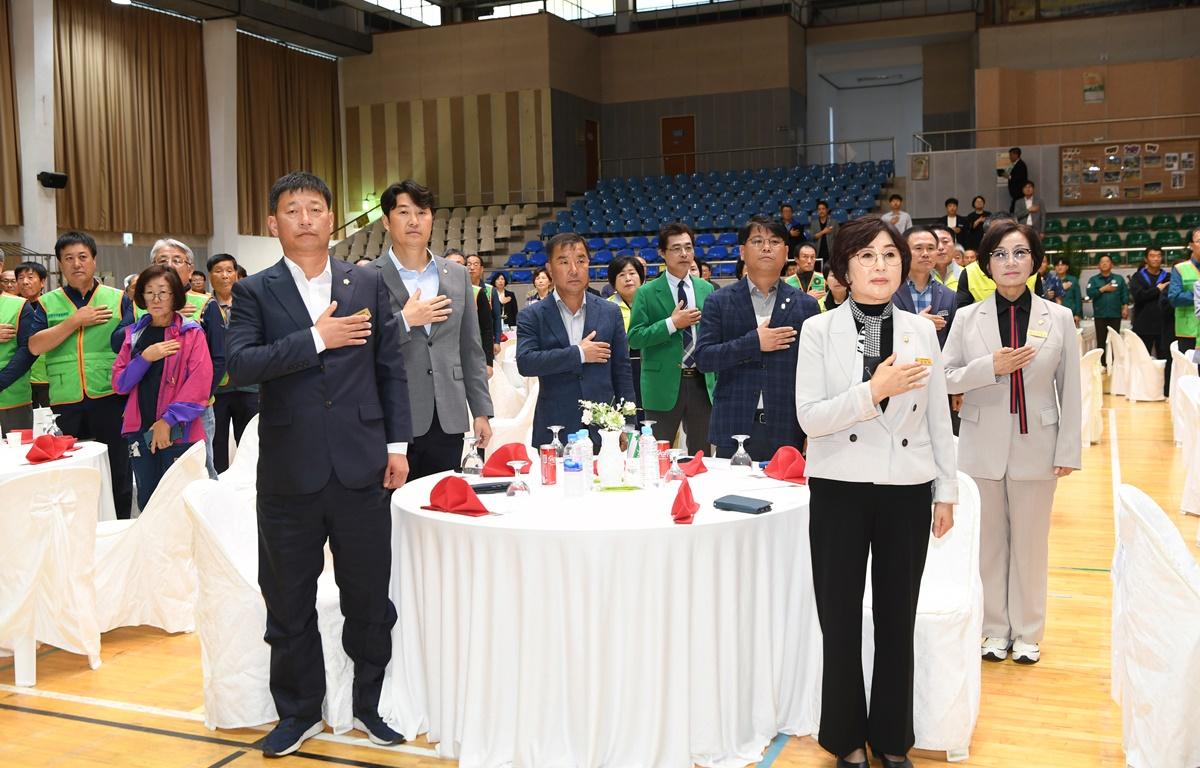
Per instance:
x=445, y=366
x=990, y=445
x=1020, y=212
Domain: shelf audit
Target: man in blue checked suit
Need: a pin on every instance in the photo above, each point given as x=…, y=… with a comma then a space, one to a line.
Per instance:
x=748, y=338
x=574, y=342
x=921, y=294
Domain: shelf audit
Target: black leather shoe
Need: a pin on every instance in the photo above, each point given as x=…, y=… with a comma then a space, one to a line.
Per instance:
x=377, y=731
x=844, y=763
x=286, y=737
x=905, y=763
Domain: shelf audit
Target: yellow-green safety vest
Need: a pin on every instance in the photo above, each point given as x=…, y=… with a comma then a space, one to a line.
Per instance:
x=816, y=284
x=982, y=286
x=1185, y=317
x=82, y=365
x=197, y=300
x=19, y=392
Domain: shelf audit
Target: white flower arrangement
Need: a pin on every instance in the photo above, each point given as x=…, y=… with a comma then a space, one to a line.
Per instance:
x=606, y=415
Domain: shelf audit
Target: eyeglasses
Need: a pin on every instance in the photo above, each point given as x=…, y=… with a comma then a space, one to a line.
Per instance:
x=871, y=258
x=174, y=261
x=679, y=250
x=1018, y=255
x=159, y=296
x=759, y=243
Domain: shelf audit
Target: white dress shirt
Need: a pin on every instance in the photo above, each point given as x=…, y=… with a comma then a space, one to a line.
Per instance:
x=689, y=291
x=573, y=322
x=764, y=307
x=1029, y=218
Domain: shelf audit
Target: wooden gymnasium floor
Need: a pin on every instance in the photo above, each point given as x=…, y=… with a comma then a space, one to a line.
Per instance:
x=142, y=707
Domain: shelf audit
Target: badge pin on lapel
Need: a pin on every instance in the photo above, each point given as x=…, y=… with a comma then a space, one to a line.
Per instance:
x=345, y=281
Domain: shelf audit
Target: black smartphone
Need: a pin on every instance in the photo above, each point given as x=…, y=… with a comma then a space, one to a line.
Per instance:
x=498, y=487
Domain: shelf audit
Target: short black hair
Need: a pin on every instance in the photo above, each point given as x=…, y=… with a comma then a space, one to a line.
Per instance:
x=951, y=200
x=220, y=258
x=420, y=195
x=67, y=239
x=454, y=252
x=564, y=239
x=470, y=256
x=1015, y=149
x=1060, y=260
x=998, y=231
x=857, y=234
x=672, y=229
x=200, y=272
x=784, y=205
x=1029, y=183
x=31, y=266
x=241, y=272
x=618, y=264
x=298, y=181
x=774, y=226
x=918, y=229
x=499, y=273
x=896, y=197
x=824, y=203
x=978, y=197
x=178, y=292
x=540, y=271
x=935, y=228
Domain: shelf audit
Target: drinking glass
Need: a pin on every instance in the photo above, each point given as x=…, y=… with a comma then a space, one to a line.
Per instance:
x=555, y=431
x=675, y=472
x=472, y=464
x=518, y=485
x=740, y=458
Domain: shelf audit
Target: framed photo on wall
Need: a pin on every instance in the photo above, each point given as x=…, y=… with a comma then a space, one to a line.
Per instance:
x=918, y=167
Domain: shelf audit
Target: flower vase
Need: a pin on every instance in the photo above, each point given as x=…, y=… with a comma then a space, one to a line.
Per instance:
x=610, y=464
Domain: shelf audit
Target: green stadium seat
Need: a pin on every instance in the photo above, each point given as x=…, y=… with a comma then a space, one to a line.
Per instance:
x=1134, y=223
x=1163, y=221
x=1105, y=224
x=1052, y=243
x=1168, y=237
x=1054, y=227
x=1108, y=240
x=1190, y=220
x=1078, y=225
x=1138, y=240
x=1128, y=258
x=1079, y=241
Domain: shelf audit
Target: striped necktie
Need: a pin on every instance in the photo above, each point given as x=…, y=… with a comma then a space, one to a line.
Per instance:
x=1016, y=382
x=685, y=334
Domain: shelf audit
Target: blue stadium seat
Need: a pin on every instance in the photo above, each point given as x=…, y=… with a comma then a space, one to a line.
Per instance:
x=641, y=241
x=651, y=270
x=534, y=245
x=550, y=229
x=595, y=243
x=601, y=256
x=728, y=269
x=718, y=253
x=522, y=276
x=722, y=222
x=727, y=239
x=840, y=215
x=537, y=259
x=597, y=273
x=616, y=243
x=706, y=239
x=650, y=254
x=704, y=222
x=516, y=260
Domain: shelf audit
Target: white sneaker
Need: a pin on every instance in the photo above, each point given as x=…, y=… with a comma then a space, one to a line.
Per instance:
x=994, y=648
x=1026, y=653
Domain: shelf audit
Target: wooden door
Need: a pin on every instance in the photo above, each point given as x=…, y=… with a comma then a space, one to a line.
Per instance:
x=591, y=148
x=679, y=144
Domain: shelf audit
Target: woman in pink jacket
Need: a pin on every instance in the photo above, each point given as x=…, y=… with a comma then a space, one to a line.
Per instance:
x=165, y=369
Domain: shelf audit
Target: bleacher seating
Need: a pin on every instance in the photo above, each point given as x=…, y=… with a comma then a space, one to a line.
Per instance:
x=1123, y=240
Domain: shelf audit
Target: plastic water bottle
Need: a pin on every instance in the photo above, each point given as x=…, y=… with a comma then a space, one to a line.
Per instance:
x=587, y=457
x=572, y=470
x=648, y=458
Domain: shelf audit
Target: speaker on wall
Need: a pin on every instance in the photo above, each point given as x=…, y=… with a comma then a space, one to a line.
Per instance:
x=52, y=179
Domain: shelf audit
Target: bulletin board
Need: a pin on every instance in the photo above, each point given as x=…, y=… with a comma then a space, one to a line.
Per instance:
x=1149, y=171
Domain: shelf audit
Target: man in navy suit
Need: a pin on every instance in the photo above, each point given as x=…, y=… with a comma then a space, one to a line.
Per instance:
x=574, y=343
x=748, y=338
x=920, y=293
x=319, y=337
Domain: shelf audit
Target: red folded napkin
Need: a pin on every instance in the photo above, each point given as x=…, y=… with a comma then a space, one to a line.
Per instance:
x=26, y=435
x=695, y=466
x=683, y=509
x=49, y=448
x=497, y=463
x=787, y=464
x=453, y=494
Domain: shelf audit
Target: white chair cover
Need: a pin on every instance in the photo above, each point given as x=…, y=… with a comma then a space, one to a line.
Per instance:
x=1180, y=366
x=1189, y=398
x=47, y=546
x=1118, y=364
x=519, y=428
x=144, y=569
x=946, y=685
x=507, y=400
x=243, y=470
x=1146, y=374
x=1158, y=631
x=231, y=617
x=1091, y=381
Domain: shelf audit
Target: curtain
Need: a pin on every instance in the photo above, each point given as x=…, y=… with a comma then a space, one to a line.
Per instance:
x=131, y=127
x=10, y=180
x=287, y=121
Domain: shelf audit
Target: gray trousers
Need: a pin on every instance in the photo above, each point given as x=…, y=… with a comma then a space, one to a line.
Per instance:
x=20, y=417
x=1014, y=550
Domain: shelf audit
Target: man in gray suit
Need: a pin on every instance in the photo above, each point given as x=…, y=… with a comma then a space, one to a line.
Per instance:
x=439, y=335
x=1029, y=210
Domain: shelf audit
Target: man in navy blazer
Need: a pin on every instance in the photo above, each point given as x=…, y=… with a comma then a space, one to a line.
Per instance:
x=920, y=293
x=319, y=337
x=574, y=342
x=748, y=338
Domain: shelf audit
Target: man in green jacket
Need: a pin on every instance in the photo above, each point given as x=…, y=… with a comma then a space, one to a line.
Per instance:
x=1070, y=297
x=663, y=324
x=1110, y=301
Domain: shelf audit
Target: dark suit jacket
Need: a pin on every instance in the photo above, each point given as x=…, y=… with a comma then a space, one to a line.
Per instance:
x=332, y=413
x=727, y=345
x=1017, y=178
x=543, y=350
x=961, y=223
x=944, y=300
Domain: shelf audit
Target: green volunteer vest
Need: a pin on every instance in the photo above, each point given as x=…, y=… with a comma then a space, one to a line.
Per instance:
x=82, y=365
x=816, y=284
x=37, y=374
x=19, y=392
x=1185, y=317
x=982, y=286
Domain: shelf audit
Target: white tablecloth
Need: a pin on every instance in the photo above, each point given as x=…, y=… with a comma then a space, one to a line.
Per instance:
x=90, y=454
x=595, y=631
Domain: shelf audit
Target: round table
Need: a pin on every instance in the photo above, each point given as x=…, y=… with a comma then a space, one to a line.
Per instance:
x=90, y=454
x=594, y=631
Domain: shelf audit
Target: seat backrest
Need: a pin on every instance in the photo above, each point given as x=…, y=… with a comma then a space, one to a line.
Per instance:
x=955, y=556
x=1117, y=353
x=224, y=532
x=243, y=471
x=1134, y=349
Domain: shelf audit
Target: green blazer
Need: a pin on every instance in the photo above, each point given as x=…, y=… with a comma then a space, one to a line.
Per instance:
x=662, y=352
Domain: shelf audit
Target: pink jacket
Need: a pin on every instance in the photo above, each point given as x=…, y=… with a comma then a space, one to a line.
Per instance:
x=186, y=378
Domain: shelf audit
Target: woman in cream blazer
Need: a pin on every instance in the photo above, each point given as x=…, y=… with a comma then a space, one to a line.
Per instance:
x=871, y=395
x=1019, y=432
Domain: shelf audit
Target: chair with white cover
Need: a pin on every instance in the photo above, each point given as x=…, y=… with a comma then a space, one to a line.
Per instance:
x=1146, y=375
x=946, y=676
x=144, y=569
x=1117, y=364
x=519, y=428
x=243, y=470
x=1158, y=630
x=1180, y=366
x=1189, y=398
x=507, y=400
x=231, y=616
x=47, y=593
x=1091, y=384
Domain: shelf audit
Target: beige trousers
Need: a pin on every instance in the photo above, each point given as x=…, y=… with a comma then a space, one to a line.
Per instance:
x=1014, y=536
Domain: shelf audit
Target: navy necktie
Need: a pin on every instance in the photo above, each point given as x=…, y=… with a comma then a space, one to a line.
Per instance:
x=685, y=334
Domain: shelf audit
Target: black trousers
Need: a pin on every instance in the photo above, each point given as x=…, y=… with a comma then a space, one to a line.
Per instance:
x=761, y=445
x=1186, y=343
x=847, y=521
x=435, y=451
x=692, y=408
x=41, y=395
x=100, y=420
x=1102, y=326
x=292, y=530
x=238, y=407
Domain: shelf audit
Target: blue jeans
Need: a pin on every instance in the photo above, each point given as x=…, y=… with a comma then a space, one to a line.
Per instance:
x=209, y=420
x=148, y=468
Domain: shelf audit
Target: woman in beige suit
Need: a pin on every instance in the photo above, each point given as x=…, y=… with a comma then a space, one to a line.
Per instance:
x=1015, y=359
x=871, y=395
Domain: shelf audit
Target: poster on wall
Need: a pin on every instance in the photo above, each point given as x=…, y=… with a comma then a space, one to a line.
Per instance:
x=918, y=167
x=1178, y=181
x=1172, y=161
x=1110, y=192
x=1152, y=188
x=1153, y=170
x=1187, y=161
x=1093, y=87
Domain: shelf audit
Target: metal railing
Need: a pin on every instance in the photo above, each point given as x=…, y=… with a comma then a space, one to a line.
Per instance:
x=752, y=158
x=938, y=141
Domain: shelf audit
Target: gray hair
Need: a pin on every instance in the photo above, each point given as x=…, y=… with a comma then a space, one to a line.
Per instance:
x=129, y=279
x=168, y=242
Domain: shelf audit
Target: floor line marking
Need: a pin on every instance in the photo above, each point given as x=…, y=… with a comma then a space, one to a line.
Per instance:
x=777, y=745
x=228, y=759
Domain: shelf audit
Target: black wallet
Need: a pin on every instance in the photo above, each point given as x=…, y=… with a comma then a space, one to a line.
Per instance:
x=743, y=504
